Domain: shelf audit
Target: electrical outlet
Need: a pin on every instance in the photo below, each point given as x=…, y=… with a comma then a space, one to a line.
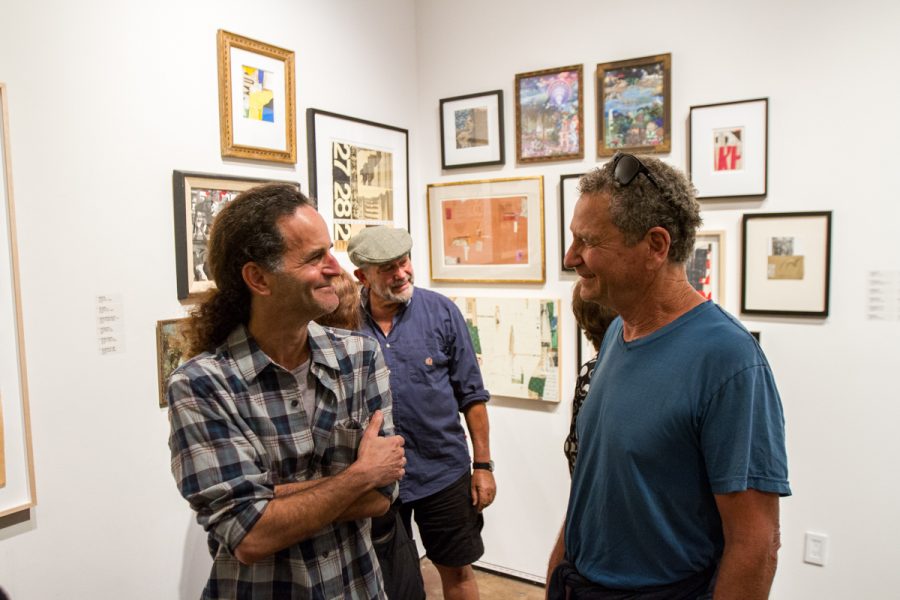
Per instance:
x=815, y=551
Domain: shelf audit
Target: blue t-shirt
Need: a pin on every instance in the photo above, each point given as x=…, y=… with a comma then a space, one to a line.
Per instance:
x=671, y=419
x=434, y=375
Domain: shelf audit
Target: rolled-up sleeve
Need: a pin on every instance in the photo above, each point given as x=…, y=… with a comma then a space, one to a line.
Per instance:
x=215, y=465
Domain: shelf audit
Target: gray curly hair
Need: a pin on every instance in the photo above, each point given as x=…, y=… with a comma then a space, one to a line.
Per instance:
x=638, y=206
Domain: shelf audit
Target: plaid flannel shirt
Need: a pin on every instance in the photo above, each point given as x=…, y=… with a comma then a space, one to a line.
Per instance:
x=238, y=429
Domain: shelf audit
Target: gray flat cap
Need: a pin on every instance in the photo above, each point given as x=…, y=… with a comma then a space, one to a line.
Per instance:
x=378, y=245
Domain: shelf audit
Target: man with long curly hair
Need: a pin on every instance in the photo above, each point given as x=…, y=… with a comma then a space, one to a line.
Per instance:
x=281, y=431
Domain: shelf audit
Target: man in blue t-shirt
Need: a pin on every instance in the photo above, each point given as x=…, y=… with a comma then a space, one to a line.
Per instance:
x=681, y=462
x=435, y=377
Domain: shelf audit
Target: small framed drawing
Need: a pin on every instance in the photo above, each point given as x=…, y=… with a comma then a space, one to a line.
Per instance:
x=198, y=199
x=786, y=263
x=568, y=196
x=472, y=130
x=633, y=105
x=550, y=114
x=706, y=265
x=17, y=483
x=359, y=174
x=488, y=231
x=169, y=353
x=728, y=148
x=256, y=100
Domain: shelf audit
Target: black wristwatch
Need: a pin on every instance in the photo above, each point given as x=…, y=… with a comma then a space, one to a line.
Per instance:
x=488, y=466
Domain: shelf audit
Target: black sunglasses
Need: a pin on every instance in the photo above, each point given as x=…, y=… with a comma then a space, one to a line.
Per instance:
x=628, y=166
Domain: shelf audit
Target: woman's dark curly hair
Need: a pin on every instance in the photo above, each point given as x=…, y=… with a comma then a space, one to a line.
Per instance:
x=246, y=230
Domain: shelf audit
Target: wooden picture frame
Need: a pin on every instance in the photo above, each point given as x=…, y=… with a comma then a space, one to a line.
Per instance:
x=489, y=230
x=169, y=353
x=728, y=149
x=359, y=174
x=568, y=196
x=550, y=114
x=472, y=130
x=198, y=198
x=634, y=106
x=17, y=482
x=786, y=264
x=257, y=115
x=706, y=265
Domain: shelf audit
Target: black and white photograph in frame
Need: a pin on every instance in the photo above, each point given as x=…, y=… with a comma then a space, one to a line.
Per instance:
x=358, y=174
x=728, y=149
x=785, y=264
x=568, y=196
x=472, y=130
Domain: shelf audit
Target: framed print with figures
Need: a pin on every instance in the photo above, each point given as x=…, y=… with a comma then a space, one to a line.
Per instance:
x=550, y=114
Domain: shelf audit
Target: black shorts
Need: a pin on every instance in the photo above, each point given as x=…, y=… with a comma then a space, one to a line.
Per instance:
x=448, y=523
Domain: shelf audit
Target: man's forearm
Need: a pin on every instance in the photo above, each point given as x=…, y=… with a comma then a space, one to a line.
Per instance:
x=371, y=504
x=301, y=509
x=479, y=431
x=746, y=573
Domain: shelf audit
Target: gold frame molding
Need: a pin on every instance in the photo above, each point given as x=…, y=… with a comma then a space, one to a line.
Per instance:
x=479, y=273
x=161, y=346
x=225, y=42
x=550, y=157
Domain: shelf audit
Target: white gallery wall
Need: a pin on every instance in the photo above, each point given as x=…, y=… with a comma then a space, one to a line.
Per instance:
x=107, y=98
x=828, y=71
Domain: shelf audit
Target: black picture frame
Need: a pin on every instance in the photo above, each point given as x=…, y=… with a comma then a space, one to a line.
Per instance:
x=784, y=286
x=190, y=283
x=455, y=157
x=566, y=209
x=328, y=133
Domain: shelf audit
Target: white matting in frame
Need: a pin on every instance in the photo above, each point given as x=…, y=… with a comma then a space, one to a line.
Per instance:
x=706, y=265
x=17, y=485
x=358, y=174
x=488, y=231
x=786, y=263
x=472, y=130
x=728, y=148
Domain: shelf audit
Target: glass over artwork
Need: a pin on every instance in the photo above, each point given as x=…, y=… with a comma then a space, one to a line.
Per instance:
x=363, y=190
x=550, y=114
x=634, y=105
x=485, y=231
x=516, y=341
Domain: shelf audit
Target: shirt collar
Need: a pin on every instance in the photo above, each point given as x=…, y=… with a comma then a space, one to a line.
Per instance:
x=252, y=361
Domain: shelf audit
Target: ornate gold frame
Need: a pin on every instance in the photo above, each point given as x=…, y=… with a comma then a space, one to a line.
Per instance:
x=226, y=41
x=550, y=157
x=162, y=344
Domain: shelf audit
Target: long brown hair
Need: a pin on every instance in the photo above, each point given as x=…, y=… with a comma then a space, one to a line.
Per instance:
x=346, y=315
x=593, y=318
x=246, y=230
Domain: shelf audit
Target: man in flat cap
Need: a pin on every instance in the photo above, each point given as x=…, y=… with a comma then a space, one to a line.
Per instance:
x=434, y=377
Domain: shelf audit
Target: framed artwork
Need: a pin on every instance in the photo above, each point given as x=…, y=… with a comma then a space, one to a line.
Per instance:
x=359, y=173
x=706, y=265
x=568, y=196
x=550, y=114
x=488, y=231
x=728, y=148
x=472, y=130
x=786, y=263
x=169, y=349
x=516, y=341
x=633, y=105
x=198, y=199
x=256, y=100
x=17, y=484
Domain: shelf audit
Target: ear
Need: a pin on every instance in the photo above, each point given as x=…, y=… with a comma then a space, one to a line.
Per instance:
x=257, y=279
x=361, y=276
x=658, y=243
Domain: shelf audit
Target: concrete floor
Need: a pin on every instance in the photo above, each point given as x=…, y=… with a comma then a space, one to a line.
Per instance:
x=490, y=586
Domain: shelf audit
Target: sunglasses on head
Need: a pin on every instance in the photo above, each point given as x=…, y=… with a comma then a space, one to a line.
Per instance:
x=628, y=166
